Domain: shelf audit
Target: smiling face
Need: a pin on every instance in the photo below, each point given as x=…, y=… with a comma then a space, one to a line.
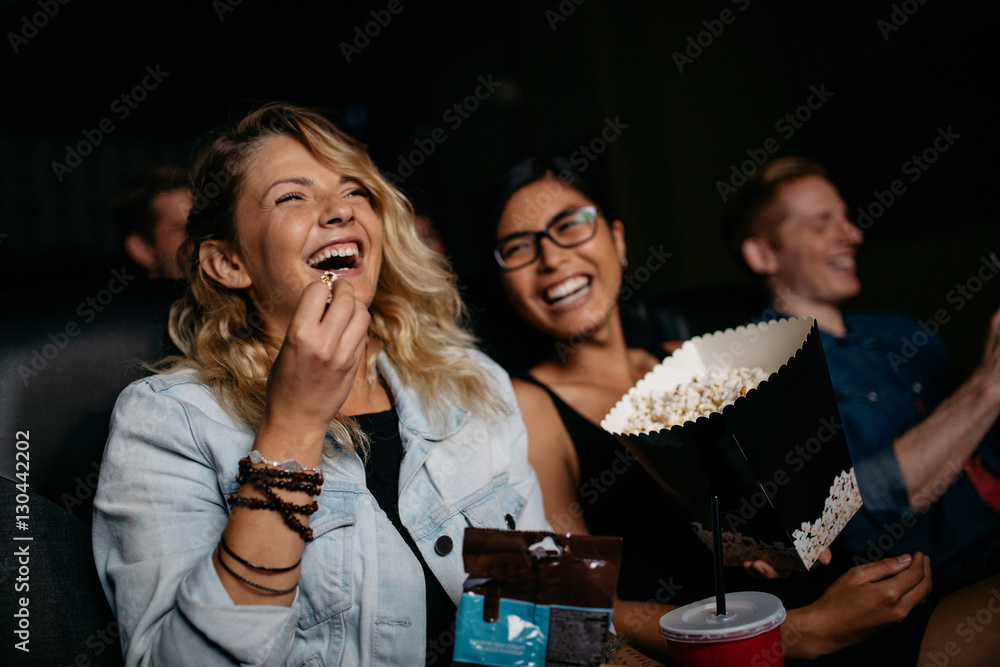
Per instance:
x=566, y=291
x=815, y=244
x=296, y=219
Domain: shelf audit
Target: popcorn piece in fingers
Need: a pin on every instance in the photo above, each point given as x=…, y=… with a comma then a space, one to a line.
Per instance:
x=328, y=278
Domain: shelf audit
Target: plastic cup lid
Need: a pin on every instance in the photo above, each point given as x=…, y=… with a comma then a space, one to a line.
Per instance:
x=748, y=614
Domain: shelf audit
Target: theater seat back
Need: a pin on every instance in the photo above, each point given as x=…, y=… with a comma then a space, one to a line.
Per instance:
x=65, y=355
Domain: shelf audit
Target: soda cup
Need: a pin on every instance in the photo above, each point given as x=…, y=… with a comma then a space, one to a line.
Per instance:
x=748, y=635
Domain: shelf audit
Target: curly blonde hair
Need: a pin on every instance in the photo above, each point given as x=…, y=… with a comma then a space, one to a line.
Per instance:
x=417, y=315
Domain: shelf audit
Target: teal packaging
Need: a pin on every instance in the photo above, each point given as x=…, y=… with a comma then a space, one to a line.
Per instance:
x=535, y=598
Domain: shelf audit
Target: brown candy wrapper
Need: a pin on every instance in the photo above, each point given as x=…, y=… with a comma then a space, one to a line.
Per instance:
x=535, y=598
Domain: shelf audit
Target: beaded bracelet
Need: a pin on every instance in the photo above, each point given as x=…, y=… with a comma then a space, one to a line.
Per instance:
x=297, y=476
x=272, y=504
x=261, y=482
x=291, y=465
x=253, y=566
x=287, y=510
x=272, y=591
x=288, y=475
x=264, y=486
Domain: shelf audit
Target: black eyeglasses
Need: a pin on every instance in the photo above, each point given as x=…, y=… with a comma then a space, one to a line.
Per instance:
x=566, y=231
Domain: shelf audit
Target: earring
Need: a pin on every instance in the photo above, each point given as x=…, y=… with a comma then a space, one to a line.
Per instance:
x=624, y=263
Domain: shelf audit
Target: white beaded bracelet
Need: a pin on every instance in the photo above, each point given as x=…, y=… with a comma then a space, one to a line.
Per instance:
x=291, y=465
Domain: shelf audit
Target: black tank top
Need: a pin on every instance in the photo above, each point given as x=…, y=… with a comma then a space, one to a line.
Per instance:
x=662, y=559
x=382, y=479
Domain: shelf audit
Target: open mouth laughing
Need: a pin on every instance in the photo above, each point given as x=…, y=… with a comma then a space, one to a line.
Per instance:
x=567, y=290
x=336, y=257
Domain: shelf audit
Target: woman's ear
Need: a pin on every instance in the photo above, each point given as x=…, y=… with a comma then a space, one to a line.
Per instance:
x=618, y=238
x=759, y=256
x=223, y=265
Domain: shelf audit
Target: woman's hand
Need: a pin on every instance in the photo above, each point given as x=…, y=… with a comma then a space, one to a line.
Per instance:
x=858, y=603
x=316, y=367
x=308, y=383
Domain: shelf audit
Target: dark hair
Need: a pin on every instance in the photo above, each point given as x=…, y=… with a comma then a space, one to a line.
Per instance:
x=133, y=206
x=534, y=169
x=510, y=340
x=752, y=212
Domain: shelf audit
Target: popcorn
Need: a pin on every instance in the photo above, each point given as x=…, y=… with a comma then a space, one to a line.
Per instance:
x=844, y=500
x=327, y=279
x=787, y=403
x=701, y=397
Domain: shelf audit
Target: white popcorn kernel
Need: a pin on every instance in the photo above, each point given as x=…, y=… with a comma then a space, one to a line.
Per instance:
x=701, y=397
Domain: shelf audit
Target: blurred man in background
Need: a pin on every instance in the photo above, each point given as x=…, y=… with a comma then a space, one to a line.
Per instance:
x=150, y=214
x=922, y=438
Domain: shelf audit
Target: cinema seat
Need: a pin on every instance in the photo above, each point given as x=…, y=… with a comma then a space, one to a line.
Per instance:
x=65, y=355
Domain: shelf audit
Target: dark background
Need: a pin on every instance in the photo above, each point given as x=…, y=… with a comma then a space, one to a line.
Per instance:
x=565, y=69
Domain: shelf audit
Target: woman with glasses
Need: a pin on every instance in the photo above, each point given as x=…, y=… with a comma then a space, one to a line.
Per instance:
x=561, y=259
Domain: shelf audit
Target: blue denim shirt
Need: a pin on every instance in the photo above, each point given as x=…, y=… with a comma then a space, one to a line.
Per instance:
x=170, y=462
x=888, y=374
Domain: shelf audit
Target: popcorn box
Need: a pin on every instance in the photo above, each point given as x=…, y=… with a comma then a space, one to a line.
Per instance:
x=776, y=457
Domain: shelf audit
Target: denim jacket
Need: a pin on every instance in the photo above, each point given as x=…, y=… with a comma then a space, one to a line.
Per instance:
x=170, y=462
x=889, y=374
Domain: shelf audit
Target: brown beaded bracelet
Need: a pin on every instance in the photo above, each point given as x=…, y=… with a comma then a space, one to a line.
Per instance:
x=299, y=476
x=272, y=591
x=287, y=511
x=282, y=505
x=277, y=505
x=308, y=480
x=253, y=566
x=261, y=483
